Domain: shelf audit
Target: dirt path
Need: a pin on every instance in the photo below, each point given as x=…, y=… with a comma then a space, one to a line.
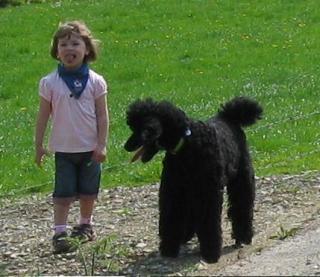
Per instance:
x=299, y=256
x=126, y=220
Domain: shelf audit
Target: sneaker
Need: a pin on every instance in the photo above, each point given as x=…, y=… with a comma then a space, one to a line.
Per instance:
x=83, y=232
x=60, y=243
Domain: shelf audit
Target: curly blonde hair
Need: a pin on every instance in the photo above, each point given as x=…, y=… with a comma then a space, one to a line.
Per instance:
x=78, y=28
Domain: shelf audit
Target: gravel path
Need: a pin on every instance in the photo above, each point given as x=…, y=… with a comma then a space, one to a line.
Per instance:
x=286, y=237
x=298, y=256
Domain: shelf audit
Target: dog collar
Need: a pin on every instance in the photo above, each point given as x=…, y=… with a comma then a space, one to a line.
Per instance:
x=181, y=142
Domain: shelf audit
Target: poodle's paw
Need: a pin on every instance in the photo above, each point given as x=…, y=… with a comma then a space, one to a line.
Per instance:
x=169, y=252
x=239, y=242
x=210, y=255
x=210, y=259
x=238, y=245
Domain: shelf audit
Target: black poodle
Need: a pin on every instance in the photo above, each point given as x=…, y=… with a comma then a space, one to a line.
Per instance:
x=201, y=158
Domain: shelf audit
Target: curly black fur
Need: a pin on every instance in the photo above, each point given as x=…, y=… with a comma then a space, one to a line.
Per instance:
x=210, y=155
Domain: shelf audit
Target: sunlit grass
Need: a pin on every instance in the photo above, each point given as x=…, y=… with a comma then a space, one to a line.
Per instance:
x=197, y=54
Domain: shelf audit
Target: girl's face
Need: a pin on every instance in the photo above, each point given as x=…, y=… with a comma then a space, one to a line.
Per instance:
x=71, y=51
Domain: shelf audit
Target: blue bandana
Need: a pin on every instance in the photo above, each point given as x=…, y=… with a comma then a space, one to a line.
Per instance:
x=76, y=80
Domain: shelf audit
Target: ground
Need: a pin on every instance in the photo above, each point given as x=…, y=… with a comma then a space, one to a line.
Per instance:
x=286, y=240
x=298, y=256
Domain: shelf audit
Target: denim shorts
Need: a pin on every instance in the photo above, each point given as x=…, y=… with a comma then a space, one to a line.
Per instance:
x=76, y=174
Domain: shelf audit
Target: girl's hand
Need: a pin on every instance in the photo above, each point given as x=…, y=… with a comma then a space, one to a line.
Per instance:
x=99, y=154
x=41, y=152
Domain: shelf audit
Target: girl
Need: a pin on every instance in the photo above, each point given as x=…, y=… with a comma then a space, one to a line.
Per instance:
x=75, y=97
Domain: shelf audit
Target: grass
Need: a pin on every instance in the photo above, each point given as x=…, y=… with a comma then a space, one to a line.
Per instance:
x=194, y=53
x=104, y=253
x=284, y=233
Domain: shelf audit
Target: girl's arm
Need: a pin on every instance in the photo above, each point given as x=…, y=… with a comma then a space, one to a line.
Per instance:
x=41, y=125
x=99, y=154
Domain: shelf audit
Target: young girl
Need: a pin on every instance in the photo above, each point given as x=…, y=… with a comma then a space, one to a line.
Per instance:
x=75, y=97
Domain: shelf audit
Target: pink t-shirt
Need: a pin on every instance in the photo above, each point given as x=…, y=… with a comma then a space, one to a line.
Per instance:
x=74, y=121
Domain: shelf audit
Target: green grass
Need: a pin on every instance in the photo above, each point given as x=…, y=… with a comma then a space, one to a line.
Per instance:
x=194, y=53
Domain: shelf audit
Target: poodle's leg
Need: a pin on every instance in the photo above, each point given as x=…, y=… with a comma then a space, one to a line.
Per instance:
x=241, y=194
x=188, y=227
x=171, y=222
x=209, y=229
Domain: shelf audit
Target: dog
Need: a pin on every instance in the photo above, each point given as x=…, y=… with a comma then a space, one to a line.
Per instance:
x=201, y=158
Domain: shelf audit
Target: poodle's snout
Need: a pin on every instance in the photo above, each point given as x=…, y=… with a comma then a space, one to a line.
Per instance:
x=132, y=144
x=147, y=136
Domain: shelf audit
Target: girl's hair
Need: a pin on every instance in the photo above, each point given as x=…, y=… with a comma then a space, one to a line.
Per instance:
x=77, y=28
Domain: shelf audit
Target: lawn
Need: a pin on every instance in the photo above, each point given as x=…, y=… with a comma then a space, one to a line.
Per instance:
x=194, y=53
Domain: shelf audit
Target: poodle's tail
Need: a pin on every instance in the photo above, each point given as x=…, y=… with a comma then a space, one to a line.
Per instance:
x=242, y=111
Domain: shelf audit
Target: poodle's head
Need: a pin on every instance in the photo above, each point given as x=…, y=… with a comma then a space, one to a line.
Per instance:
x=155, y=126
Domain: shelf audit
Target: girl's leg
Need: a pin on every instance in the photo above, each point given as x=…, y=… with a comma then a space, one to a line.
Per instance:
x=61, y=211
x=88, y=187
x=86, y=210
x=64, y=189
x=84, y=231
